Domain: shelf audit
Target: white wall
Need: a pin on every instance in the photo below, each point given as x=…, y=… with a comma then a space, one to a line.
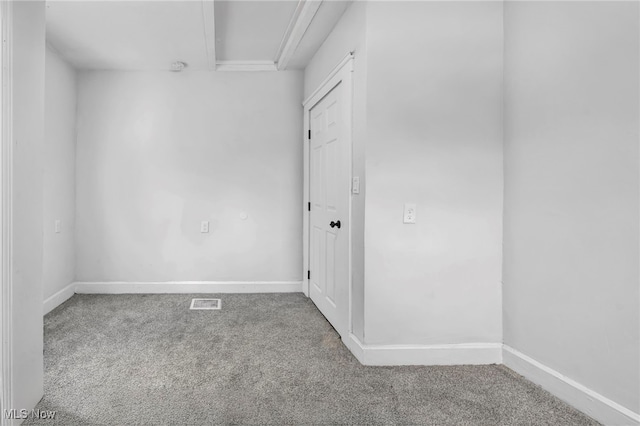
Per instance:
x=157, y=153
x=28, y=124
x=434, y=137
x=349, y=35
x=59, y=173
x=571, y=197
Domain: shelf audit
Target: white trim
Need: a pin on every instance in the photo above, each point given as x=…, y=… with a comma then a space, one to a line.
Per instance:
x=306, y=265
x=298, y=25
x=209, y=30
x=6, y=198
x=313, y=97
x=584, y=399
x=340, y=74
x=187, y=287
x=444, y=354
x=246, y=66
x=57, y=299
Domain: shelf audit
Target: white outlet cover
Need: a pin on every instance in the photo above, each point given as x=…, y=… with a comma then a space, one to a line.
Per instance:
x=410, y=213
x=204, y=226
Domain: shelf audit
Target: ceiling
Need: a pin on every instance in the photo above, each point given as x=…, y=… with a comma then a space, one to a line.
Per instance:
x=206, y=35
x=251, y=30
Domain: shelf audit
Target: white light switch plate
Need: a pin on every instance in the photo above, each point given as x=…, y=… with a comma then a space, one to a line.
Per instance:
x=409, y=213
x=356, y=185
x=57, y=226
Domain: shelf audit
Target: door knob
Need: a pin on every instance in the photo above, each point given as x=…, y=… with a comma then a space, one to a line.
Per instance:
x=335, y=224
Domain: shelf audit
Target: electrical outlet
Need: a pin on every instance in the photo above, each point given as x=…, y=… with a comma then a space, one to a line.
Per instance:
x=409, y=213
x=204, y=226
x=57, y=226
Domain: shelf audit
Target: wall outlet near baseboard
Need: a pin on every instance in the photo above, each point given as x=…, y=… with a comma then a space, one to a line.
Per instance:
x=409, y=213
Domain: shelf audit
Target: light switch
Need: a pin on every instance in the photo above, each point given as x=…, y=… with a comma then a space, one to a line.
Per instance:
x=204, y=227
x=356, y=184
x=409, y=213
x=58, y=226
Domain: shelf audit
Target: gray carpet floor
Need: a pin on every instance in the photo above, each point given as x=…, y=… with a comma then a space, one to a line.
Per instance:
x=262, y=359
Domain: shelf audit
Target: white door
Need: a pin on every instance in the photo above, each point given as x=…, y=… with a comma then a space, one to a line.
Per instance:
x=329, y=192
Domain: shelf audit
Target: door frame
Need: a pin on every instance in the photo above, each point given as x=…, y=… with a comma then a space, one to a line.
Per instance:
x=6, y=197
x=342, y=74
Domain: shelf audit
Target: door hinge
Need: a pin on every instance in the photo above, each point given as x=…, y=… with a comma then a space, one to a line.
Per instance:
x=308, y=275
x=309, y=206
x=309, y=134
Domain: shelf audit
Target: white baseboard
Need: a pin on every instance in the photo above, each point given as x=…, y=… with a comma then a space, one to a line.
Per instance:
x=58, y=299
x=584, y=399
x=449, y=354
x=176, y=287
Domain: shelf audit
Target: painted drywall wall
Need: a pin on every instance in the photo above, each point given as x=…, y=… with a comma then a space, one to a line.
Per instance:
x=59, y=174
x=571, y=191
x=434, y=138
x=28, y=62
x=157, y=153
x=349, y=35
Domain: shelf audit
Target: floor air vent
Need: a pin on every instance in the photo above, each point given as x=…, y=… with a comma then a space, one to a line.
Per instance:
x=206, y=304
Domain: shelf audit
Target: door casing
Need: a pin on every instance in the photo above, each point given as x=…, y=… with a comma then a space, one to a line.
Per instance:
x=341, y=74
x=6, y=161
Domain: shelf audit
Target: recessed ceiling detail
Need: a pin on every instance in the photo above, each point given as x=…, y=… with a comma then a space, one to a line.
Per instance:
x=238, y=24
x=246, y=66
x=222, y=35
x=300, y=21
x=209, y=30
